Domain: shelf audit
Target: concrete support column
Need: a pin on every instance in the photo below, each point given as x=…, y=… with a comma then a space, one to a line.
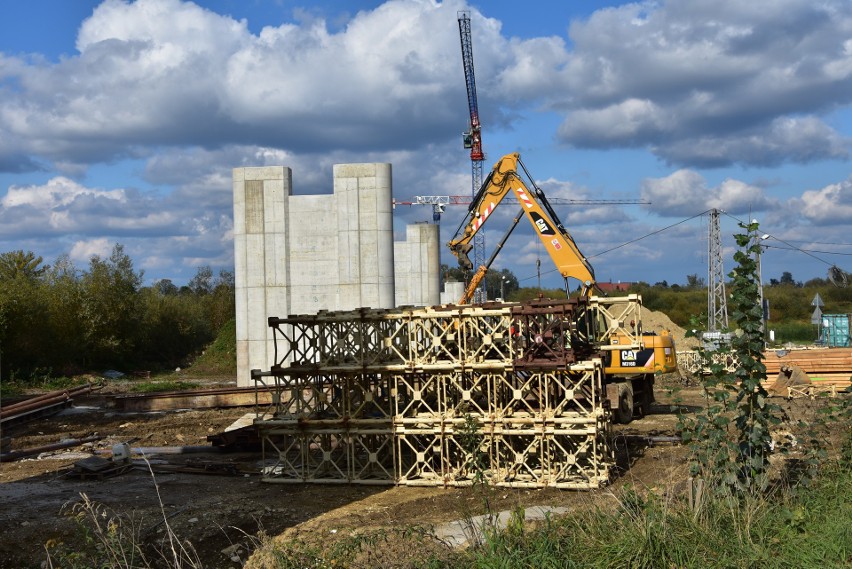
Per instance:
x=261, y=260
x=418, y=265
x=365, y=235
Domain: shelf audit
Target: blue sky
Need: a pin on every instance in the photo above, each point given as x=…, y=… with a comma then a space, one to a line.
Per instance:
x=120, y=122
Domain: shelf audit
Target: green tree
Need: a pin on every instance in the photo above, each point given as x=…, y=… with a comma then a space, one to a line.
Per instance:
x=166, y=287
x=729, y=440
x=202, y=282
x=14, y=264
x=694, y=281
x=64, y=327
x=109, y=307
x=499, y=283
x=22, y=318
x=453, y=274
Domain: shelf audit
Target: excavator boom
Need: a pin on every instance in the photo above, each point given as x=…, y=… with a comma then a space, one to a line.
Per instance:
x=503, y=180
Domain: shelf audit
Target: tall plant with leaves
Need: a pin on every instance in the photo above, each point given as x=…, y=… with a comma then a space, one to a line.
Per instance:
x=755, y=415
x=730, y=439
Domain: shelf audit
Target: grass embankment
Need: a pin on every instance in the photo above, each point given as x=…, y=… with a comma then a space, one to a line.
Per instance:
x=801, y=528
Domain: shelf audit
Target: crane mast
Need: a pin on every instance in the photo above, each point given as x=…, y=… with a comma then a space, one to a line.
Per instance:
x=473, y=138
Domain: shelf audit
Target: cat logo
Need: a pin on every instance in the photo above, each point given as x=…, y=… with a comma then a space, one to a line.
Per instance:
x=628, y=358
x=541, y=224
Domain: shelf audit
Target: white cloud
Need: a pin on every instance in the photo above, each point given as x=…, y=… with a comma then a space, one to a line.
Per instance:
x=720, y=82
x=829, y=205
x=167, y=72
x=58, y=192
x=82, y=251
x=685, y=193
x=626, y=123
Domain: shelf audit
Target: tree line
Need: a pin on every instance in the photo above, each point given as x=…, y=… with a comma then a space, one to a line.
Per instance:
x=62, y=320
x=789, y=300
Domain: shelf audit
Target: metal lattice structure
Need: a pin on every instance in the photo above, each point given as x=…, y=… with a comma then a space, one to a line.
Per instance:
x=473, y=138
x=717, y=303
x=437, y=396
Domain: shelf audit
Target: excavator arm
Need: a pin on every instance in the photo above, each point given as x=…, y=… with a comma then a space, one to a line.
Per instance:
x=503, y=180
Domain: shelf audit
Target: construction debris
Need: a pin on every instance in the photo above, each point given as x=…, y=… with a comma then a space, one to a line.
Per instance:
x=790, y=375
x=824, y=366
x=18, y=454
x=97, y=468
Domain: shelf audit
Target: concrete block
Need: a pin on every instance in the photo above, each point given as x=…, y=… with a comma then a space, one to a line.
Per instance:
x=265, y=173
x=255, y=247
x=309, y=253
x=275, y=206
x=354, y=170
x=239, y=259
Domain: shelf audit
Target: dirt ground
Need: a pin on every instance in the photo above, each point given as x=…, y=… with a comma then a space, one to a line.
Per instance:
x=220, y=512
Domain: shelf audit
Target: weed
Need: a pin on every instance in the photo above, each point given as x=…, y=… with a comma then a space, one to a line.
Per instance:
x=163, y=385
x=111, y=540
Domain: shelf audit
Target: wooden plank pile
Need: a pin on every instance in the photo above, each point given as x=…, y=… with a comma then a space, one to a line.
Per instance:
x=824, y=365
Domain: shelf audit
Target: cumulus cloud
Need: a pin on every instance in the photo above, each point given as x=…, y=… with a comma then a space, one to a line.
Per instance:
x=686, y=193
x=82, y=251
x=710, y=83
x=69, y=217
x=703, y=83
x=830, y=205
x=168, y=72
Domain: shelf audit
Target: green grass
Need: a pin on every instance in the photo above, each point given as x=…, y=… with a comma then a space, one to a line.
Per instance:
x=220, y=357
x=789, y=528
x=163, y=385
x=807, y=528
x=42, y=380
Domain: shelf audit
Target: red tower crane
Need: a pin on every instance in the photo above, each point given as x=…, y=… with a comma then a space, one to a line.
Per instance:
x=473, y=137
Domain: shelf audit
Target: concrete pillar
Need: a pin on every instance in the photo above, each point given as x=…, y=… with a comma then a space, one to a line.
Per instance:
x=365, y=235
x=453, y=291
x=303, y=254
x=417, y=264
x=261, y=250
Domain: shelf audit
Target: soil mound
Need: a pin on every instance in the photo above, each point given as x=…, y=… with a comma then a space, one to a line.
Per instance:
x=653, y=321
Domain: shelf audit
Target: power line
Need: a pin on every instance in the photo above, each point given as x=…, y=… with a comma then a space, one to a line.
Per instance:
x=822, y=243
x=627, y=243
x=804, y=250
x=790, y=245
x=649, y=234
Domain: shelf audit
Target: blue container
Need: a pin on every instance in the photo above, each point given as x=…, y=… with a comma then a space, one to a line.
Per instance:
x=835, y=330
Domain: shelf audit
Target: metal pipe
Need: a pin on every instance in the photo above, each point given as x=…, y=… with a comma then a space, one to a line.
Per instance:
x=191, y=449
x=16, y=454
x=67, y=393
x=10, y=413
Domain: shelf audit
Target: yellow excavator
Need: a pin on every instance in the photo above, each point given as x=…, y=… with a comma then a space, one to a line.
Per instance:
x=630, y=362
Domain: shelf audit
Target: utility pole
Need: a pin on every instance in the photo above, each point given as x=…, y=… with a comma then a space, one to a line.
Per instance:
x=717, y=303
x=763, y=305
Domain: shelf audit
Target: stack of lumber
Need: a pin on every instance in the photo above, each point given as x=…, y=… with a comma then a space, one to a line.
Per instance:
x=826, y=366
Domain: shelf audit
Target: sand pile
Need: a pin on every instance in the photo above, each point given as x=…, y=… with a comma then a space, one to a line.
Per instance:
x=653, y=321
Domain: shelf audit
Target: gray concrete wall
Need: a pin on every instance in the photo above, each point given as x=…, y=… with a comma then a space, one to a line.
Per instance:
x=302, y=254
x=453, y=291
x=417, y=266
x=261, y=260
